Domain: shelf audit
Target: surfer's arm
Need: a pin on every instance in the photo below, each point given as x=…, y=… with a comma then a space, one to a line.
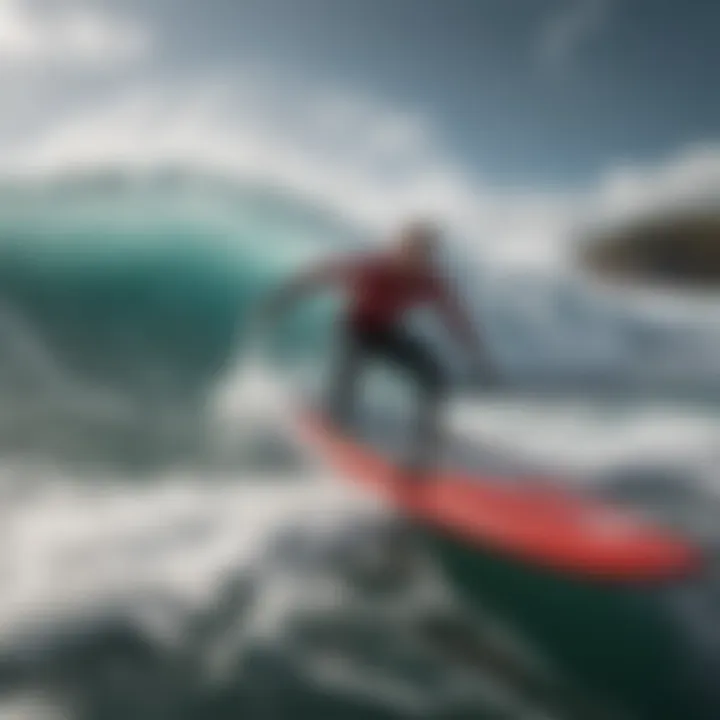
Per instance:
x=459, y=322
x=484, y=370
x=304, y=283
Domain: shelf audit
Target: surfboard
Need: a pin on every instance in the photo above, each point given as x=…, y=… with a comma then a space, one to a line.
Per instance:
x=532, y=519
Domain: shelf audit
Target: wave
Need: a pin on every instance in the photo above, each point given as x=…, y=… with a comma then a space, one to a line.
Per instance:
x=122, y=299
x=123, y=296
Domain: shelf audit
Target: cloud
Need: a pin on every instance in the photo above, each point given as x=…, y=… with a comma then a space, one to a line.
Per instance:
x=74, y=34
x=691, y=179
x=563, y=33
x=371, y=164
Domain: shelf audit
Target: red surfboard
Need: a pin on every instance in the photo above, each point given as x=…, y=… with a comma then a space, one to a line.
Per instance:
x=526, y=518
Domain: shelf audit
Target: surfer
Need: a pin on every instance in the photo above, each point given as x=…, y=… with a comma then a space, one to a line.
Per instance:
x=381, y=287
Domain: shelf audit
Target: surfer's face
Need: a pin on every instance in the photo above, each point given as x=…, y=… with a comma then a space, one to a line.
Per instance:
x=416, y=248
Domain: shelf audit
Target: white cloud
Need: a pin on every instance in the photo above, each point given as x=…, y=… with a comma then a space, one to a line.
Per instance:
x=374, y=165
x=69, y=35
x=564, y=32
x=690, y=179
x=370, y=164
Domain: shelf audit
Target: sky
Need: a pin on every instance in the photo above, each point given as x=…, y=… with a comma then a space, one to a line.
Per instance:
x=515, y=114
x=526, y=91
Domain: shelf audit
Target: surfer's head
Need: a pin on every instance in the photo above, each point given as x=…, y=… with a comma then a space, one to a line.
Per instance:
x=416, y=243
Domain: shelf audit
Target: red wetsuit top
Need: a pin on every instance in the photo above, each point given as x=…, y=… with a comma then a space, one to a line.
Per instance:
x=380, y=292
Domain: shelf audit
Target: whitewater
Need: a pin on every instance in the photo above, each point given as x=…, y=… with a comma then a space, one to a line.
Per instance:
x=169, y=552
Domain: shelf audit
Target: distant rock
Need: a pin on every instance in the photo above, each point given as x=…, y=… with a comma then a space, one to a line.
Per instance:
x=678, y=251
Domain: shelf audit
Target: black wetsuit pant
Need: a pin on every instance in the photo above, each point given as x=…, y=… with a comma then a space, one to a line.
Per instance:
x=412, y=357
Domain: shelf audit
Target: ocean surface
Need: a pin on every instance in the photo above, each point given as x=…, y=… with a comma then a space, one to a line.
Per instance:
x=169, y=552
